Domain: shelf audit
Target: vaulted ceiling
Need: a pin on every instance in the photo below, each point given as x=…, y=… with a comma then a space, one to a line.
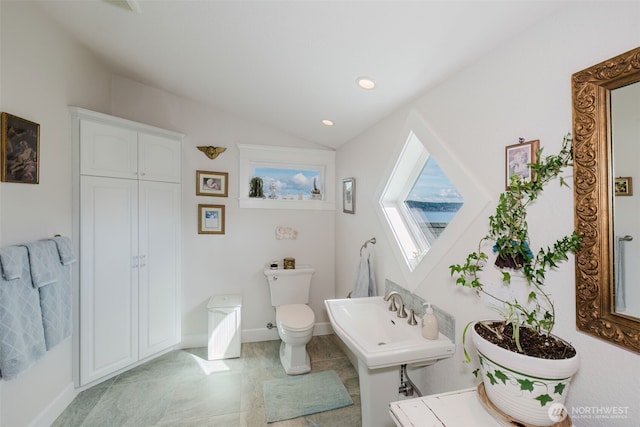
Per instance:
x=291, y=64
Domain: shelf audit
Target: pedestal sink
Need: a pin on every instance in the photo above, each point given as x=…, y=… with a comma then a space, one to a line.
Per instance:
x=382, y=342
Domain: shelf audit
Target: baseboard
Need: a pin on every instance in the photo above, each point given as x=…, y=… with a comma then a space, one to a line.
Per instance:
x=260, y=334
x=323, y=328
x=193, y=341
x=55, y=408
x=252, y=335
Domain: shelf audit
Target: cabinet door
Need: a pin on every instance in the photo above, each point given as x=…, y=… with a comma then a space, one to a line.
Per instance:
x=107, y=150
x=159, y=230
x=159, y=158
x=108, y=276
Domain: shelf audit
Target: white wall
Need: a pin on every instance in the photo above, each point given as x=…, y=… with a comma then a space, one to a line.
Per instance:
x=520, y=90
x=43, y=71
x=233, y=262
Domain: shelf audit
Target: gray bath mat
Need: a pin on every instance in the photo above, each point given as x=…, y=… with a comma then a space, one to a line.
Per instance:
x=300, y=395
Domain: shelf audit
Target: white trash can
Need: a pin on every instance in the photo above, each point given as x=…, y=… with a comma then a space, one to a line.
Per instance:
x=224, y=326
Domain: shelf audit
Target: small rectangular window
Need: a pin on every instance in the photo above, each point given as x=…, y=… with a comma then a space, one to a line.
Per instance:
x=286, y=178
x=282, y=182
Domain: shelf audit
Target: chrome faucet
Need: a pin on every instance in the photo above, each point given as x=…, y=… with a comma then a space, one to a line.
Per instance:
x=412, y=318
x=390, y=296
x=393, y=295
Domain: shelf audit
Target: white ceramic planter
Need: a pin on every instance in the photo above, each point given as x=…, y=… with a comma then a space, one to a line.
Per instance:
x=521, y=386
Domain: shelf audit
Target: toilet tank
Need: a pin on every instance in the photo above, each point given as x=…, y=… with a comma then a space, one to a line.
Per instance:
x=289, y=286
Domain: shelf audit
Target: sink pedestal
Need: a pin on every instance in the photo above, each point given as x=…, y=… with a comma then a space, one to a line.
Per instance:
x=382, y=343
x=378, y=388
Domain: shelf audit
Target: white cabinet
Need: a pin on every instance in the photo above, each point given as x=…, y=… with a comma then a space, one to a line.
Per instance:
x=159, y=267
x=107, y=150
x=454, y=408
x=225, y=327
x=127, y=180
x=125, y=152
x=108, y=276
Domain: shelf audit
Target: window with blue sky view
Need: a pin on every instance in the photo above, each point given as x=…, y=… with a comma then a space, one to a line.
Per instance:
x=419, y=201
x=290, y=183
x=433, y=200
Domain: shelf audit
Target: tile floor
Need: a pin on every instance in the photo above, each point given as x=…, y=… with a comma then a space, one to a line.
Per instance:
x=182, y=388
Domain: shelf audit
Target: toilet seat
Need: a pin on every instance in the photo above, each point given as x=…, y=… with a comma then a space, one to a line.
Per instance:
x=295, y=317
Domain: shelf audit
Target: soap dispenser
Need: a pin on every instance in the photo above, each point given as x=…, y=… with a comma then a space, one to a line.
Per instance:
x=429, y=324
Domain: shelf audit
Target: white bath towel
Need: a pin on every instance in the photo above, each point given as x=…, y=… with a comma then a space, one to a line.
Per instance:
x=365, y=281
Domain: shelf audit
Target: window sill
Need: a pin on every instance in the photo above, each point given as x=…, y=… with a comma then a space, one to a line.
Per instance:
x=252, y=203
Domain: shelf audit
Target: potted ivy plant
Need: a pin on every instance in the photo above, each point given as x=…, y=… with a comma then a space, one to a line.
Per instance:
x=518, y=354
x=256, y=188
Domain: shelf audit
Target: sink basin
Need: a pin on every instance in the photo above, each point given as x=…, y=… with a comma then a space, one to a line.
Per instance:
x=382, y=342
x=379, y=338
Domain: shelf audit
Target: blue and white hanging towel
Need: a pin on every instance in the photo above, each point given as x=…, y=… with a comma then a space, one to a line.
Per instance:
x=43, y=262
x=22, y=341
x=365, y=281
x=55, y=298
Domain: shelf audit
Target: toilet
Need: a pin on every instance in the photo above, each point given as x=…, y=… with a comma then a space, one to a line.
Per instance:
x=294, y=318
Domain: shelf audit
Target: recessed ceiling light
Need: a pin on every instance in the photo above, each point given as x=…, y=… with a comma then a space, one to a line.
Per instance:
x=327, y=122
x=365, y=83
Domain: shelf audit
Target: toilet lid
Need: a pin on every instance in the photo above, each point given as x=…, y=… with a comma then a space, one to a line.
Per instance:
x=295, y=317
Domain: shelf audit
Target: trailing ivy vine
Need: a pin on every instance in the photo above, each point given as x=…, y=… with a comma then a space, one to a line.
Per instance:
x=509, y=231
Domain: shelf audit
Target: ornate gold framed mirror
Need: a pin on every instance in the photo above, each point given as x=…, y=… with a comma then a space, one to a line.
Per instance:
x=601, y=309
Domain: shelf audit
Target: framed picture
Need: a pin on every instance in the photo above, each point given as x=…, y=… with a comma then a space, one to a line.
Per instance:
x=518, y=158
x=20, y=150
x=210, y=219
x=623, y=186
x=212, y=183
x=349, y=195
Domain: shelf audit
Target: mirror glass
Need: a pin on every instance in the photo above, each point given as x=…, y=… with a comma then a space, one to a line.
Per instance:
x=625, y=139
x=606, y=147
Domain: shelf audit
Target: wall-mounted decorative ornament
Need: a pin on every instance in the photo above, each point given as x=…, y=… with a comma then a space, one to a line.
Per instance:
x=212, y=152
x=287, y=233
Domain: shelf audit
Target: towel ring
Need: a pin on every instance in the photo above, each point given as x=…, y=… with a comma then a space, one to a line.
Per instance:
x=371, y=240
